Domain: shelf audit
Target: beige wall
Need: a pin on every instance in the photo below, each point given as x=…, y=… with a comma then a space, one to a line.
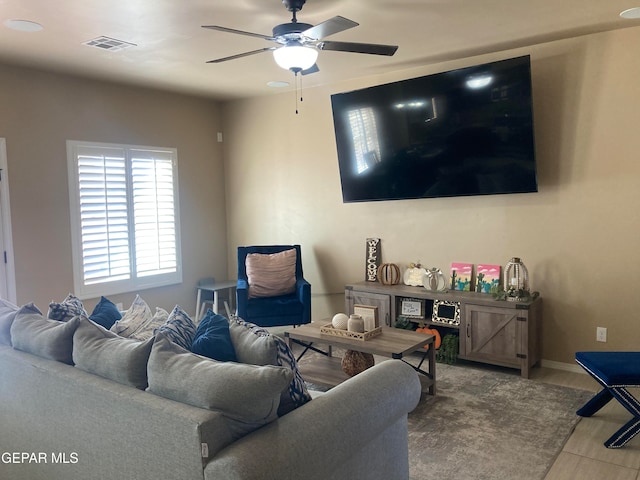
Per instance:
x=578, y=235
x=40, y=111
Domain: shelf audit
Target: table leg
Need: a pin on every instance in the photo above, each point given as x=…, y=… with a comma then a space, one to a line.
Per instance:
x=198, y=297
x=432, y=368
x=216, y=301
x=430, y=356
x=231, y=294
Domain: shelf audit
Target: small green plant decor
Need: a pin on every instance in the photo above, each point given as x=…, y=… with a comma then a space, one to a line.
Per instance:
x=448, y=351
x=449, y=348
x=514, y=293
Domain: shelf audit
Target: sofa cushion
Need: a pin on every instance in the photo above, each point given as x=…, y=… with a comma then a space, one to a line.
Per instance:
x=179, y=328
x=271, y=275
x=105, y=313
x=213, y=339
x=64, y=311
x=7, y=314
x=257, y=346
x=133, y=319
x=247, y=393
x=51, y=339
x=101, y=352
x=282, y=306
x=147, y=330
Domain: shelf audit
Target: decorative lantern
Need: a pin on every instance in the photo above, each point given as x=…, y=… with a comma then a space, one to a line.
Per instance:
x=516, y=281
x=389, y=274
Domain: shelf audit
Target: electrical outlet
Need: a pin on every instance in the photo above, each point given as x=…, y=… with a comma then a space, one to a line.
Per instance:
x=601, y=334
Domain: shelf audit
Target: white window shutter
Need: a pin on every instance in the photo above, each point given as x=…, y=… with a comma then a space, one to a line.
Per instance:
x=154, y=212
x=125, y=220
x=102, y=185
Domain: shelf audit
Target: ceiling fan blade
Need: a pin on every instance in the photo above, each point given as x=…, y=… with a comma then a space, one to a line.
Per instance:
x=240, y=55
x=312, y=69
x=329, y=27
x=239, y=32
x=370, y=48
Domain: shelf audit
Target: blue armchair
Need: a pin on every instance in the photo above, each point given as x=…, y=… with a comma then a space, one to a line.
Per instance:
x=288, y=309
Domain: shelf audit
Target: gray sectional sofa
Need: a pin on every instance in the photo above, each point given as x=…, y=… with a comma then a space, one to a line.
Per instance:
x=59, y=421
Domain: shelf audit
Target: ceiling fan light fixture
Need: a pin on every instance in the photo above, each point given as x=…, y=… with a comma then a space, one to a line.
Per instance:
x=295, y=57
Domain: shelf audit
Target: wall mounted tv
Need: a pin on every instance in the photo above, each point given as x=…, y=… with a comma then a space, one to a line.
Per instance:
x=457, y=133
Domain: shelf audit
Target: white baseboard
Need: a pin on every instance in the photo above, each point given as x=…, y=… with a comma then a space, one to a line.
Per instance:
x=569, y=367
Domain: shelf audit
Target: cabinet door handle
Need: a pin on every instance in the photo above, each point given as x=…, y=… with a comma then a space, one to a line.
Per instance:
x=468, y=335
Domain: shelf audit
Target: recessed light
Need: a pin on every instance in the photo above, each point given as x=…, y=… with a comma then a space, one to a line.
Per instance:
x=277, y=84
x=23, y=25
x=631, y=13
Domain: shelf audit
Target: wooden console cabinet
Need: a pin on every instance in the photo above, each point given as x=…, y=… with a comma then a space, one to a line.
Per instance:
x=502, y=333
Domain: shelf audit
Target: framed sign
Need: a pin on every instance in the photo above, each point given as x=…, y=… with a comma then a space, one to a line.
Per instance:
x=373, y=259
x=412, y=308
x=369, y=314
x=446, y=312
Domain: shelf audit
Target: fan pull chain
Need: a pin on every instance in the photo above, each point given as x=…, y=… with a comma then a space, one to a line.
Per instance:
x=295, y=79
x=301, y=89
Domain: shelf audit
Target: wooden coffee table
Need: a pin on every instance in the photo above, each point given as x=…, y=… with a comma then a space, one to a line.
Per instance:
x=392, y=342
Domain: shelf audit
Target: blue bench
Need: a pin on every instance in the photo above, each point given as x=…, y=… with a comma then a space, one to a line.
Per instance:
x=615, y=371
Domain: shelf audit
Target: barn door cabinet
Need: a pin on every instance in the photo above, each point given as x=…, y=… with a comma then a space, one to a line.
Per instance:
x=375, y=299
x=494, y=332
x=508, y=335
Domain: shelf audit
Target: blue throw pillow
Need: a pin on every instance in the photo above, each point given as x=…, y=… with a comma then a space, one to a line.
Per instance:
x=213, y=339
x=105, y=313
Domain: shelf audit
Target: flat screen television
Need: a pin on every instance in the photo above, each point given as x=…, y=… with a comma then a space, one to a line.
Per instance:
x=463, y=132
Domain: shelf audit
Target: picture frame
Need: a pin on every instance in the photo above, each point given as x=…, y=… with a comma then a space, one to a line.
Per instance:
x=461, y=276
x=488, y=278
x=412, y=307
x=369, y=314
x=446, y=312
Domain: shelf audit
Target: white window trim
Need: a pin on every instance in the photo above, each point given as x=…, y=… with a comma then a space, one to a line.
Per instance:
x=135, y=283
x=7, y=235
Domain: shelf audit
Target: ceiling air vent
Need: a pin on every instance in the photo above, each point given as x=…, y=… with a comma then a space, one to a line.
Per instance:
x=108, y=43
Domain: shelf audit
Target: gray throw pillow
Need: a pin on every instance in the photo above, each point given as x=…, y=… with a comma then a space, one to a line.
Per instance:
x=51, y=339
x=7, y=314
x=101, y=352
x=255, y=345
x=248, y=393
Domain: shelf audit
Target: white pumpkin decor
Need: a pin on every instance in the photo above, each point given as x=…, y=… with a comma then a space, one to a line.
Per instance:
x=414, y=274
x=340, y=321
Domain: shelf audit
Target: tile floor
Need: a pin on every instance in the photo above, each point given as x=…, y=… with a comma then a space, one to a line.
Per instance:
x=584, y=456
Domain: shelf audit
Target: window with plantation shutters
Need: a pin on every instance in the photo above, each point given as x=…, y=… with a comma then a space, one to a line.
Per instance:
x=124, y=212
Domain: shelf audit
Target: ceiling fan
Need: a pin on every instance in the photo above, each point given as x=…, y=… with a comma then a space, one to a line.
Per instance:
x=300, y=42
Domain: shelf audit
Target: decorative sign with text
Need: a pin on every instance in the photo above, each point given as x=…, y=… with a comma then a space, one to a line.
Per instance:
x=374, y=259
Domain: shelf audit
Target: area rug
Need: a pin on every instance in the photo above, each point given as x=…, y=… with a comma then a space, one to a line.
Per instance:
x=490, y=424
